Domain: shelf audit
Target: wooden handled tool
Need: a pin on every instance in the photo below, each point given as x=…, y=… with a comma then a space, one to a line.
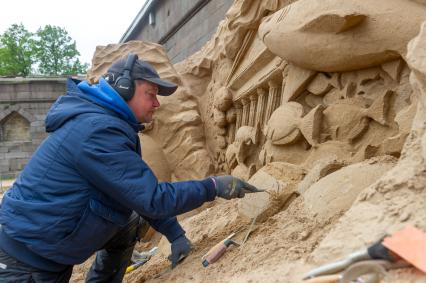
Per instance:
x=218, y=250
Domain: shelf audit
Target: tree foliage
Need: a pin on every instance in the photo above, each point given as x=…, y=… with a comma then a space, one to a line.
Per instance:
x=16, y=51
x=56, y=52
x=49, y=51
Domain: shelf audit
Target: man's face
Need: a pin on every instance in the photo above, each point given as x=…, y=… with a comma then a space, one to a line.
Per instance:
x=144, y=102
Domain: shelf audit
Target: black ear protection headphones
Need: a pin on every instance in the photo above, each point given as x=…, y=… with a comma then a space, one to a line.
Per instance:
x=124, y=84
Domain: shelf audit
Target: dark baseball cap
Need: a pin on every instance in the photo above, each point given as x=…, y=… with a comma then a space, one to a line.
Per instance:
x=144, y=71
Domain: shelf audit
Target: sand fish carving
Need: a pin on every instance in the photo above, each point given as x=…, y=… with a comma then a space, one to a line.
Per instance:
x=348, y=121
x=337, y=36
x=288, y=123
x=236, y=152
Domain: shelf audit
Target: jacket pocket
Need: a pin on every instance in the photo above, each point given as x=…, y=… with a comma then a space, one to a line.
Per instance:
x=96, y=227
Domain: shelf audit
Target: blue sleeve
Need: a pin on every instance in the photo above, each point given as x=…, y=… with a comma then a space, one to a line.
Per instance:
x=107, y=159
x=169, y=227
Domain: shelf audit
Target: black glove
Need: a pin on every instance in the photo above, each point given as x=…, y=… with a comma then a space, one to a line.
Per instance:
x=180, y=250
x=229, y=187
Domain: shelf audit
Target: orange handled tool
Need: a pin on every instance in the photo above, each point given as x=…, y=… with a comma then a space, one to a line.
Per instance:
x=218, y=250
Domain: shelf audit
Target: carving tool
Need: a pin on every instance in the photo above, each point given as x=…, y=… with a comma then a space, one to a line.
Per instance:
x=375, y=251
x=218, y=250
x=143, y=258
x=249, y=230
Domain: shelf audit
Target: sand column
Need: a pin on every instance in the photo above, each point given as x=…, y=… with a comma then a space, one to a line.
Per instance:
x=239, y=114
x=273, y=99
x=261, y=107
x=253, y=102
x=281, y=98
x=246, y=111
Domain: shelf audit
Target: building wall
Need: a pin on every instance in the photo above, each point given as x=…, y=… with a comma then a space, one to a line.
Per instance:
x=191, y=35
x=24, y=104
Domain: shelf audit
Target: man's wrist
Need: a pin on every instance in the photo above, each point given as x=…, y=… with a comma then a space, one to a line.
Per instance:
x=179, y=236
x=214, y=182
x=210, y=185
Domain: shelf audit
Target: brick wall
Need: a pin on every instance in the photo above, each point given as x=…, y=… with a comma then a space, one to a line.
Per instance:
x=24, y=103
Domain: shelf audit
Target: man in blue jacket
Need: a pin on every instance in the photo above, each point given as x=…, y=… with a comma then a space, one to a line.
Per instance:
x=86, y=185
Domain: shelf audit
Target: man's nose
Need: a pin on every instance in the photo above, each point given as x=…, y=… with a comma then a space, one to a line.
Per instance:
x=156, y=102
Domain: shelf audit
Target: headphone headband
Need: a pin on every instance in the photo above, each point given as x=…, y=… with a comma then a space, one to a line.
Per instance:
x=124, y=84
x=131, y=59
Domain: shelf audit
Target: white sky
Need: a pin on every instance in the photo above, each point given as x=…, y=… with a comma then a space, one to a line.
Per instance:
x=90, y=23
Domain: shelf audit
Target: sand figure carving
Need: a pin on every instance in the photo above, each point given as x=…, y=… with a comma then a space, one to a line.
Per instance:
x=347, y=121
x=331, y=36
x=246, y=139
x=287, y=124
x=279, y=180
x=393, y=145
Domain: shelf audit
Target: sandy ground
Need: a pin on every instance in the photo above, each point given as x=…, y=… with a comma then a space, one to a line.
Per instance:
x=271, y=249
x=277, y=250
x=280, y=249
x=293, y=241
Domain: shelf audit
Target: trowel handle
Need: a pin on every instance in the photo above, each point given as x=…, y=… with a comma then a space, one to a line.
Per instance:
x=217, y=251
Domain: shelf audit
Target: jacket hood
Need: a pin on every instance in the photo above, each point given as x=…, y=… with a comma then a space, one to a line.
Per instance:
x=82, y=98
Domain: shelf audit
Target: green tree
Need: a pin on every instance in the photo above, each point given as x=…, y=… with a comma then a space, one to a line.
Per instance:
x=16, y=51
x=56, y=52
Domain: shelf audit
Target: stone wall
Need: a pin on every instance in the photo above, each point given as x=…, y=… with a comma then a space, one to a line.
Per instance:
x=181, y=32
x=24, y=103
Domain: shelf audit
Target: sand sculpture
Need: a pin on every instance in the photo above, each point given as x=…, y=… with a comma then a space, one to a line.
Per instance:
x=238, y=152
x=319, y=102
x=398, y=197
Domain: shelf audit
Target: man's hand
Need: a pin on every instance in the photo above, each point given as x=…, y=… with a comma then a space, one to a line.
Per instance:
x=180, y=249
x=229, y=187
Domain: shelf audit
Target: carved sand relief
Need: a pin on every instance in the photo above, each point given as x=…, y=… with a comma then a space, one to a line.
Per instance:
x=346, y=122
x=324, y=35
x=345, y=118
x=349, y=108
x=287, y=124
x=237, y=153
x=397, y=199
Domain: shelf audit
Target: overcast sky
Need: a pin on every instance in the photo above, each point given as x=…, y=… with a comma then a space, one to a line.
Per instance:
x=89, y=23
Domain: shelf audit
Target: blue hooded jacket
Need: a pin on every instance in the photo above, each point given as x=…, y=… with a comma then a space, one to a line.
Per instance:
x=84, y=181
